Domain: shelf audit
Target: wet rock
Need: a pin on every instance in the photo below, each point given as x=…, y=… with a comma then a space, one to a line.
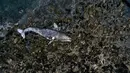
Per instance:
x=96, y=27
x=4, y=28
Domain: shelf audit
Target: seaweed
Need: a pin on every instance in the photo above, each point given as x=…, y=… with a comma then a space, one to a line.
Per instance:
x=99, y=32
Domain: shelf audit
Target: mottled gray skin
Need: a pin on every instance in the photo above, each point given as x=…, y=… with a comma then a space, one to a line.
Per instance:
x=47, y=33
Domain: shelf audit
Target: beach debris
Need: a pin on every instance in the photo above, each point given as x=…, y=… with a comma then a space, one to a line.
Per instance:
x=47, y=33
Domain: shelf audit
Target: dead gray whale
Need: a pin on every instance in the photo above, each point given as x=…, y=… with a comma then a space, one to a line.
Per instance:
x=47, y=33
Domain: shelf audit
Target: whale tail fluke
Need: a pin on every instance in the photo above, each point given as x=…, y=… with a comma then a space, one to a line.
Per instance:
x=21, y=32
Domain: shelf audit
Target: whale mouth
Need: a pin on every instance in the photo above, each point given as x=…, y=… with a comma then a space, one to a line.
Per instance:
x=62, y=37
x=69, y=40
x=65, y=39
